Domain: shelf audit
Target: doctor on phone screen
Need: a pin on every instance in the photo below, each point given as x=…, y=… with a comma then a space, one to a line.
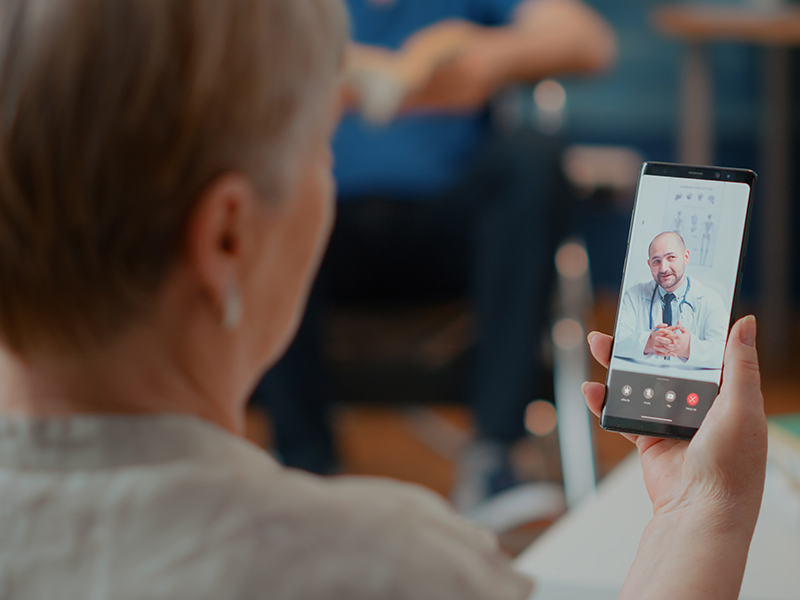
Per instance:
x=673, y=319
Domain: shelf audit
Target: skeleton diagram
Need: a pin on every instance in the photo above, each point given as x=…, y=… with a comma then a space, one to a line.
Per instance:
x=678, y=224
x=695, y=214
x=705, y=241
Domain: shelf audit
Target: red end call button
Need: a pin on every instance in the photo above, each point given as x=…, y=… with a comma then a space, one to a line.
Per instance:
x=692, y=399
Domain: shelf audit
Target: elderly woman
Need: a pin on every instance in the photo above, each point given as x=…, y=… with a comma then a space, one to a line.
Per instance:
x=165, y=196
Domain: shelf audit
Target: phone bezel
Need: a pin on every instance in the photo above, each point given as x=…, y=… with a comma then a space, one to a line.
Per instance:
x=725, y=174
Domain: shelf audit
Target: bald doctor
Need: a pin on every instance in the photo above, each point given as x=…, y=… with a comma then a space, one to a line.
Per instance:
x=673, y=320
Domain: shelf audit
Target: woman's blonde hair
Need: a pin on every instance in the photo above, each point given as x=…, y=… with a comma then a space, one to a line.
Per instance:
x=114, y=115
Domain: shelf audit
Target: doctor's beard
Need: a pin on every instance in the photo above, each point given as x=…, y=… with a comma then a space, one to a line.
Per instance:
x=668, y=280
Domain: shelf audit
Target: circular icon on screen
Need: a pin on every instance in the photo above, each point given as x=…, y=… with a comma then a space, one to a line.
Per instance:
x=648, y=393
x=627, y=390
x=670, y=396
x=692, y=399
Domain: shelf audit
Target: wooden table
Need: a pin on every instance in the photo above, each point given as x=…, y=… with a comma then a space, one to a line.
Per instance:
x=775, y=31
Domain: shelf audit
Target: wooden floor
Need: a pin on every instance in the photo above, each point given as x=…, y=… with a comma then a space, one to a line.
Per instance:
x=419, y=443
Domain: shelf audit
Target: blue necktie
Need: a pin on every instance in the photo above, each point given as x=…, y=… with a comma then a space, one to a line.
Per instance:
x=667, y=314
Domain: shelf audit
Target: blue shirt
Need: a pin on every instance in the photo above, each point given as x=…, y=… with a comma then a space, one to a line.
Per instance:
x=418, y=155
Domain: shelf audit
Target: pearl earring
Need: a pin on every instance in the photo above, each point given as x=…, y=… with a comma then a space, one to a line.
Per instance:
x=232, y=311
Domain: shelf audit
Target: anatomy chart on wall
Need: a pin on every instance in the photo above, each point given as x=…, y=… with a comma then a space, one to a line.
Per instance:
x=693, y=211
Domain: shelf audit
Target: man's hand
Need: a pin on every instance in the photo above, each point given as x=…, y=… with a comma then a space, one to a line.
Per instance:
x=465, y=81
x=450, y=66
x=456, y=66
x=682, y=341
x=660, y=341
x=665, y=340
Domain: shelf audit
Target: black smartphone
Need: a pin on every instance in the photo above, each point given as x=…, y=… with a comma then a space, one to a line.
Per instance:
x=680, y=282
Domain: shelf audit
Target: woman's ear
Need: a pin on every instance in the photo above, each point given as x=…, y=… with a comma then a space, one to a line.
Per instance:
x=216, y=236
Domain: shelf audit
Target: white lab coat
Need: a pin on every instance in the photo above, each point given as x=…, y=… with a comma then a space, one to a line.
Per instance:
x=703, y=314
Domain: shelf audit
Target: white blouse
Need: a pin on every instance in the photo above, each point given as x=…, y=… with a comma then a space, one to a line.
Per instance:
x=172, y=506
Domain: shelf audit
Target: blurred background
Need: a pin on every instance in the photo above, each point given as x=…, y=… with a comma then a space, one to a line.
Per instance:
x=679, y=90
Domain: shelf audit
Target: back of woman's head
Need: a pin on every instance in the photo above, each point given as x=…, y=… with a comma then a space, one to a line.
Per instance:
x=114, y=116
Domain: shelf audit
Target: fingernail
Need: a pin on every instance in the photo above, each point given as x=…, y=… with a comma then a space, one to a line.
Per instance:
x=584, y=384
x=747, y=331
x=590, y=336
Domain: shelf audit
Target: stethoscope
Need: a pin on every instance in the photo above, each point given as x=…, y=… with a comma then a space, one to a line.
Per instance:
x=680, y=304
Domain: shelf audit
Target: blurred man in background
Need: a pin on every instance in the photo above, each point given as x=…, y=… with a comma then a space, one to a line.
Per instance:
x=434, y=203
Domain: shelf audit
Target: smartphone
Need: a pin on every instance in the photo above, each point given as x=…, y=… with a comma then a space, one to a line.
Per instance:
x=682, y=273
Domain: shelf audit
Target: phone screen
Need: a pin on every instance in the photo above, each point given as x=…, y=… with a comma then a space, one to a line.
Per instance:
x=680, y=282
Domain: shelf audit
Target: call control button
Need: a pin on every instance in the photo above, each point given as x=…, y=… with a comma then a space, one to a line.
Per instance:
x=649, y=393
x=627, y=390
x=692, y=399
x=670, y=396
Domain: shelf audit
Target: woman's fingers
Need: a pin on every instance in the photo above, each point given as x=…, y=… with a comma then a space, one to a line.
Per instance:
x=738, y=412
x=740, y=374
x=595, y=393
x=600, y=345
x=729, y=453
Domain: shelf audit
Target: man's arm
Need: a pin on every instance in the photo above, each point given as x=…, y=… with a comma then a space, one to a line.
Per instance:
x=632, y=338
x=546, y=38
x=456, y=65
x=553, y=37
x=708, y=342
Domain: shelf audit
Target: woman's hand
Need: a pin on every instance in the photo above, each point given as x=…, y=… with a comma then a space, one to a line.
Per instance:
x=723, y=467
x=706, y=493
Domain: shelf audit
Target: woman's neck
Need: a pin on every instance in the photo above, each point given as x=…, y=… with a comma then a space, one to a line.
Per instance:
x=137, y=374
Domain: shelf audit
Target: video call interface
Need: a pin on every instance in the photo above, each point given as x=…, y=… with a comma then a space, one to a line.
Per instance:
x=677, y=296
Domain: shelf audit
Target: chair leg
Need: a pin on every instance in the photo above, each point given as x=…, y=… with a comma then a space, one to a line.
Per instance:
x=571, y=369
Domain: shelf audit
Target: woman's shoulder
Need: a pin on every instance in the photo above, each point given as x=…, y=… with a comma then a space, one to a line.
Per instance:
x=364, y=536
x=207, y=514
x=301, y=535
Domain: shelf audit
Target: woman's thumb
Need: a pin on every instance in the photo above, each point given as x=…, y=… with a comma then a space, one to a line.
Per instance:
x=740, y=372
